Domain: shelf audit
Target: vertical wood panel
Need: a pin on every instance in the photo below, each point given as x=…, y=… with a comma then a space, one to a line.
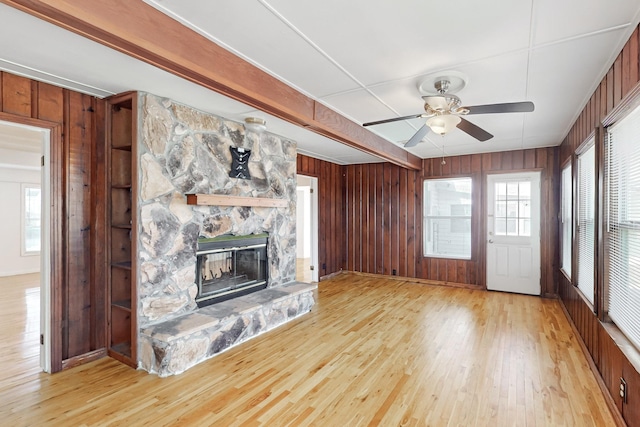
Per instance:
x=379, y=222
x=99, y=236
x=403, y=221
x=80, y=143
x=394, y=220
x=414, y=214
x=16, y=95
x=634, y=56
x=368, y=218
x=617, y=80
x=50, y=99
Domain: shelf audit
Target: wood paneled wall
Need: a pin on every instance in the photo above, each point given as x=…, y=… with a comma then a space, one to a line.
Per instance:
x=331, y=234
x=602, y=340
x=76, y=122
x=382, y=226
x=383, y=207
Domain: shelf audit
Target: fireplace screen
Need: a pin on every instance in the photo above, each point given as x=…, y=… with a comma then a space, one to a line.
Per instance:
x=230, y=266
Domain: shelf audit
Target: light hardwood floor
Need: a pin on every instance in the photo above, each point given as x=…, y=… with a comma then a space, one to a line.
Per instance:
x=372, y=352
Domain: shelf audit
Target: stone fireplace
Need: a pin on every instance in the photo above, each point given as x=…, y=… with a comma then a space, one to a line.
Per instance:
x=185, y=151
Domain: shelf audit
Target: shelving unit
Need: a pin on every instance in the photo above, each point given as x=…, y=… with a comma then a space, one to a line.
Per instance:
x=121, y=245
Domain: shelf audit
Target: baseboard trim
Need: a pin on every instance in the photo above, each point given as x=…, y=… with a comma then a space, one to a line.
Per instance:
x=420, y=281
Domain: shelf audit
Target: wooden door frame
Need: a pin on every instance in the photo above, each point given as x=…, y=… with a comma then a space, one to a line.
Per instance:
x=56, y=248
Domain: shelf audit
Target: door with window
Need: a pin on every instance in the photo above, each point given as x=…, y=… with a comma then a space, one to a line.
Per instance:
x=513, y=232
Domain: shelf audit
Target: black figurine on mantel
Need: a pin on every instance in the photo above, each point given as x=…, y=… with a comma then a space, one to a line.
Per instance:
x=239, y=163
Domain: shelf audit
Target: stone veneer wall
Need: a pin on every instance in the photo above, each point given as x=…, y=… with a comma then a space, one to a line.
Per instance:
x=181, y=151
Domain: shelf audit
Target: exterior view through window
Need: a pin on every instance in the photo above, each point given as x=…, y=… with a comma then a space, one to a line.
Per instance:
x=447, y=218
x=567, y=220
x=513, y=208
x=31, y=219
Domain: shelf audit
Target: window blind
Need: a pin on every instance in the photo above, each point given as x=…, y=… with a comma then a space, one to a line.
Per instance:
x=447, y=218
x=586, y=221
x=567, y=219
x=622, y=172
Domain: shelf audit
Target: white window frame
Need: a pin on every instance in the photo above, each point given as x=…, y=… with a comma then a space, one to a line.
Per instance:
x=566, y=220
x=428, y=218
x=23, y=223
x=586, y=224
x=622, y=168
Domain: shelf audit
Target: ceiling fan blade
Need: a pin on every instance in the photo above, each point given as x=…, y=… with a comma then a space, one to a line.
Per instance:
x=511, y=107
x=395, y=119
x=473, y=130
x=417, y=137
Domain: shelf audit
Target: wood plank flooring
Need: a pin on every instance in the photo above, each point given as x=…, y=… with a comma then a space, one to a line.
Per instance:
x=372, y=352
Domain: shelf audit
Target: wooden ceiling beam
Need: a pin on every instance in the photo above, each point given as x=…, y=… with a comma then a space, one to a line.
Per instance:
x=138, y=30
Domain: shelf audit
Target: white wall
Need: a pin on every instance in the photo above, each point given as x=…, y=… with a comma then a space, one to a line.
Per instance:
x=13, y=173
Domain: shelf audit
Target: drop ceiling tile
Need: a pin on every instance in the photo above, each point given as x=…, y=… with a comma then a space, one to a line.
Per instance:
x=558, y=20
x=252, y=30
x=379, y=41
x=559, y=100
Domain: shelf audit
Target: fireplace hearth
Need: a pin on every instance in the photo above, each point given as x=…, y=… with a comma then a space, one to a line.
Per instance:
x=230, y=266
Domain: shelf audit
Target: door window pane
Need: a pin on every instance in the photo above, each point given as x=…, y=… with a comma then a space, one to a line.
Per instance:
x=512, y=208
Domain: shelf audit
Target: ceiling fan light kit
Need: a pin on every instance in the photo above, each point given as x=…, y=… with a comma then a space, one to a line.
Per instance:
x=443, y=110
x=443, y=124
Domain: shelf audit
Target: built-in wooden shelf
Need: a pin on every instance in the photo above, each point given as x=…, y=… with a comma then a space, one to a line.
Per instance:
x=125, y=265
x=224, y=200
x=124, y=304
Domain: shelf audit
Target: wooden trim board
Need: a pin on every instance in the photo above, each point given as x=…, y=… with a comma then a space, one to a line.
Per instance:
x=224, y=200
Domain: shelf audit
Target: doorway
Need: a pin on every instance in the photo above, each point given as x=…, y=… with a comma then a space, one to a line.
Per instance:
x=513, y=232
x=25, y=264
x=307, y=229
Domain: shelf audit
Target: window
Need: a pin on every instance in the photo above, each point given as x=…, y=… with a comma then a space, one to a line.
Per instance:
x=567, y=219
x=31, y=207
x=622, y=176
x=512, y=214
x=586, y=220
x=447, y=218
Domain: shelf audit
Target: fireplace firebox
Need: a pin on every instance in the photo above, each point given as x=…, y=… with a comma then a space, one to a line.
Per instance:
x=230, y=266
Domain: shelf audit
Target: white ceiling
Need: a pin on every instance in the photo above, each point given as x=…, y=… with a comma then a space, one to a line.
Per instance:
x=365, y=59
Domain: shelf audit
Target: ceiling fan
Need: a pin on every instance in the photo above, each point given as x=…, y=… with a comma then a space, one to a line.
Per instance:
x=443, y=113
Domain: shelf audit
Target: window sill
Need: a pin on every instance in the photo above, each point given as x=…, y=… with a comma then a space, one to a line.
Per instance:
x=628, y=349
x=447, y=257
x=585, y=299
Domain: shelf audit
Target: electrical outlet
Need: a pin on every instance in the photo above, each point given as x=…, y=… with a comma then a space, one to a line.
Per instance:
x=623, y=390
x=394, y=272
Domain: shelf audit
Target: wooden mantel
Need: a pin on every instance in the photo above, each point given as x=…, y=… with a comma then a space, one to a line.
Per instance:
x=224, y=200
x=141, y=31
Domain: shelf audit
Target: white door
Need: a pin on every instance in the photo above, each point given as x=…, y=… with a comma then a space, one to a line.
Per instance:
x=513, y=232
